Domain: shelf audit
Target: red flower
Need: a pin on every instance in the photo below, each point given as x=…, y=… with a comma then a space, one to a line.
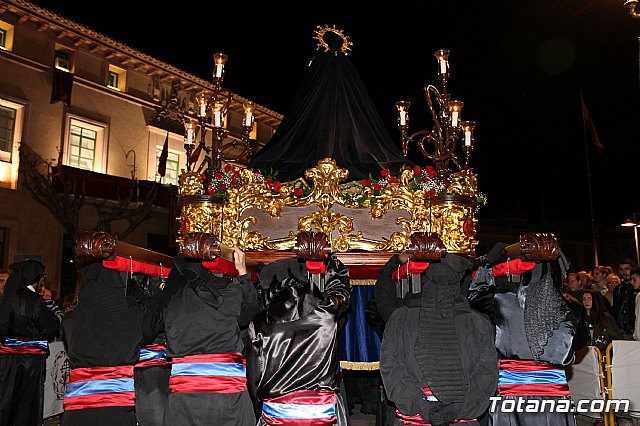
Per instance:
x=277, y=185
x=425, y=179
x=407, y=167
x=392, y=179
x=416, y=172
x=218, y=175
x=298, y=192
x=203, y=176
x=227, y=168
x=233, y=180
x=377, y=187
x=366, y=183
x=236, y=173
x=431, y=172
x=268, y=180
x=222, y=186
x=211, y=190
x=384, y=172
x=431, y=193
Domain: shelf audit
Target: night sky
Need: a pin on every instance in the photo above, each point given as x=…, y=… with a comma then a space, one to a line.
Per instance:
x=519, y=67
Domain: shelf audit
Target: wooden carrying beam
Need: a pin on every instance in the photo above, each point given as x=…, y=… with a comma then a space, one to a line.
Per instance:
x=206, y=246
x=105, y=246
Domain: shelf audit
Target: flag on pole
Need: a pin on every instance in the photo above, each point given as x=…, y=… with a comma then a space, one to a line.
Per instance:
x=162, y=161
x=590, y=127
x=196, y=154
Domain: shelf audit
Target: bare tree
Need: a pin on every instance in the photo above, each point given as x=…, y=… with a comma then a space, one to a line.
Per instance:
x=64, y=195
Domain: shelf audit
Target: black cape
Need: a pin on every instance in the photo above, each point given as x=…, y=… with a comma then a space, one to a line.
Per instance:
x=104, y=330
x=203, y=316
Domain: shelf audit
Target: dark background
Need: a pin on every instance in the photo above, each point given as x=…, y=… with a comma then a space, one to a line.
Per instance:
x=519, y=66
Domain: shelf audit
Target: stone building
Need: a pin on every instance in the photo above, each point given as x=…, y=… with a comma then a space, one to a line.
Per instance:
x=86, y=104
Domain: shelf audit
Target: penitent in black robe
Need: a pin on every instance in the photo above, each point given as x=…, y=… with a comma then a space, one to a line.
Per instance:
x=104, y=330
x=294, y=341
x=203, y=316
x=438, y=361
x=534, y=339
x=24, y=317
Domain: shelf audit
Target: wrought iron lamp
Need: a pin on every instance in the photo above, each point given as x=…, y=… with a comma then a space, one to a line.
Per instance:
x=448, y=129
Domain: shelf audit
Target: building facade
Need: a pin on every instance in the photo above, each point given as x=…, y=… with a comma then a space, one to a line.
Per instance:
x=78, y=99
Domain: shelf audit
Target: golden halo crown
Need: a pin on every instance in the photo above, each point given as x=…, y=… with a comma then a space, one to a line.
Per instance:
x=321, y=31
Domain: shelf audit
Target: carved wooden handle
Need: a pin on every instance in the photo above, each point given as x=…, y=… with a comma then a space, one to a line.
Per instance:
x=312, y=246
x=201, y=245
x=425, y=246
x=98, y=245
x=536, y=246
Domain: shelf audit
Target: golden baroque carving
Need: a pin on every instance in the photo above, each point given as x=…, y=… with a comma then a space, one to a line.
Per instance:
x=450, y=215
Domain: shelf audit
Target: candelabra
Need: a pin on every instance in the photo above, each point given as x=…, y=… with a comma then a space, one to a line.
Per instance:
x=447, y=125
x=210, y=114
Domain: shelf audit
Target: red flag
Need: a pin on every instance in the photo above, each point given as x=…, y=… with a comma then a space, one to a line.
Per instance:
x=162, y=161
x=590, y=127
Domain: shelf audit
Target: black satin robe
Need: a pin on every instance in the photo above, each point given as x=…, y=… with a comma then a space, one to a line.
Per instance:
x=294, y=341
x=500, y=301
x=203, y=316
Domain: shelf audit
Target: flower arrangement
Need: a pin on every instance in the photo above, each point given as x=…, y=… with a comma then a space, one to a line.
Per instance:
x=217, y=183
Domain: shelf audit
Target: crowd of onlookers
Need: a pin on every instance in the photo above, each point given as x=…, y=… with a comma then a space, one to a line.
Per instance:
x=606, y=301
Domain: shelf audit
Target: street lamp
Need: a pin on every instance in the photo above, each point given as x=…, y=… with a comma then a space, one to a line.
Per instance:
x=633, y=223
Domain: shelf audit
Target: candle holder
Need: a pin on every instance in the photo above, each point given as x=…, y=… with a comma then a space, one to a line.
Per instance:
x=440, y=143
x=210, y=114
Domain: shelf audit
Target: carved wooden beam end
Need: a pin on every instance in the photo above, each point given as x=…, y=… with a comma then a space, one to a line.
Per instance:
x=97, y=245
x=536, y=246
x=312, y=246
x=201, y=245
x=425, y=247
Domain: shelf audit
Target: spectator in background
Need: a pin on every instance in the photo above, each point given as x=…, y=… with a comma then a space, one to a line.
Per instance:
x=599, y=278
x=572, y=290
x=602, y=326
x=4, y=276
x=624, y=301
x=585, y=279
x=635, y=282
x=613, y=280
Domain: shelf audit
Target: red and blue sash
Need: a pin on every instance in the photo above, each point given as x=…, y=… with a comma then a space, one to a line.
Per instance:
x=216, y=373
x=301, y=408
x=526, y=378
x=23, y=346
x=98, y=387
x=152, y=355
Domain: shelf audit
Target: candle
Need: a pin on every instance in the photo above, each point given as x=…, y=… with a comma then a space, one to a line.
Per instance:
x=219, y=68
x=443, y=66
x=467, y=138
x=248, y=119
x=217, y=118
x=403, y=118
x=454, y=118
x=203, y=108
x=190, y=134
